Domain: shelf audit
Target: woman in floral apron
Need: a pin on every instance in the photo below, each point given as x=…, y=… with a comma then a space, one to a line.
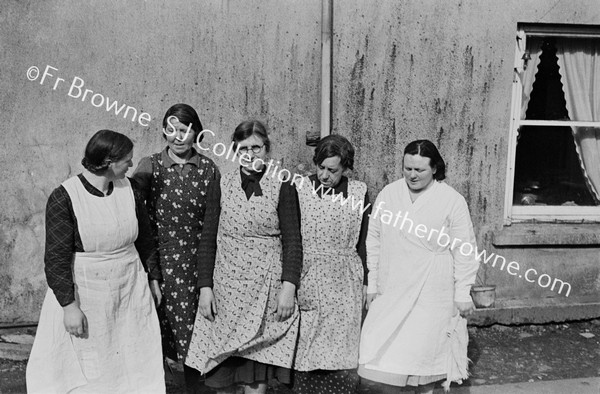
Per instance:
x=175, y=184
x=250, y=257
x=334, y=213
x=98, y=330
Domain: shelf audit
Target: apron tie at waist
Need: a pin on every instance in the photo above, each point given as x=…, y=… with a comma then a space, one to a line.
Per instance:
x=346, y=252
x=108, y=255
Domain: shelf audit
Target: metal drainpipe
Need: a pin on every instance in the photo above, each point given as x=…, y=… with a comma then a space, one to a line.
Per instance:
x=326, y=63
x=313, y=138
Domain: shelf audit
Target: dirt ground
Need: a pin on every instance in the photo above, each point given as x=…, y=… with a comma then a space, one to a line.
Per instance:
x=499, y=354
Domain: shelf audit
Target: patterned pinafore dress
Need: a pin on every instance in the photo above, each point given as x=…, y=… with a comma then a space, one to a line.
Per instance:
x=247, y=280
x=176, y=207
x=330, y=294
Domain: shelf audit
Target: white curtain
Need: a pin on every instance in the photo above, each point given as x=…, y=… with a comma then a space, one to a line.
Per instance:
x=579, y=67
x=534, y=45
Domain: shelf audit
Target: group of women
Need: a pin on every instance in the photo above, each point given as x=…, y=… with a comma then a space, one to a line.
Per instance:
x=247, y=277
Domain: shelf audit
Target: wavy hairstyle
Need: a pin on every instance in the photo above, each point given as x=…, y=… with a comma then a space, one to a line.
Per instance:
x=426, y=148
x=335, y=145
x=105, y=147
x=187, y=116
x=248, y=128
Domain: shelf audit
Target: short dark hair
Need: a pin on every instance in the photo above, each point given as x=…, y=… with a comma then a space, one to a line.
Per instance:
x=187, y=116
x=335, y=145
x=248, y=128
x=104, y=147
x=426, y=148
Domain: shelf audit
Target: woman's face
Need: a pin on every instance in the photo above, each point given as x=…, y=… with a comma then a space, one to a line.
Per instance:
x=249, y=159
x=418, y=172
x=119, y=168
x=330, y=171
x=180, y=138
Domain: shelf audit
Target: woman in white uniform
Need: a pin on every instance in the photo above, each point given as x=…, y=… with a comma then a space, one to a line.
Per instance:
x=98, y=330
x=421, y=261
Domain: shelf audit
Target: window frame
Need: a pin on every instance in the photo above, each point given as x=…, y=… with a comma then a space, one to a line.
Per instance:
x=551, y=213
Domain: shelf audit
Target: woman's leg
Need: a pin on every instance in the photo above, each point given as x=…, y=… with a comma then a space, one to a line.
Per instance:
x=192, y=380
x=255, y=388
x=227, y=390
x=389, y=389
x=425, y=389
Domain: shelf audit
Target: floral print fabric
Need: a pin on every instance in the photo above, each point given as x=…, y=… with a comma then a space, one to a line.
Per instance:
x=247, y=281
x=330, y=293
x=176, y=205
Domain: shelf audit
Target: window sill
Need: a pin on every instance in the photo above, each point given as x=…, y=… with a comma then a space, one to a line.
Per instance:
x=549, y=234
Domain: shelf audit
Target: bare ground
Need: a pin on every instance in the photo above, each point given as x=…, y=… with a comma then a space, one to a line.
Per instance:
x=499, y=354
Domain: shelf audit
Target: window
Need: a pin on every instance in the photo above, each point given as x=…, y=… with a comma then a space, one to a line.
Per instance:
x=554, y=149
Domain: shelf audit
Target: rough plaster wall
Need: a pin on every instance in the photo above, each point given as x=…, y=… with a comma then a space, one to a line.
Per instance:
x=402, y=70
x=231, y=60
x=442, y=70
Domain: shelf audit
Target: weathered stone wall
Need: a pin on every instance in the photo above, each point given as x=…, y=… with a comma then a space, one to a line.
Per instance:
x=443, y=70
x=402, y=70
x=230, y=60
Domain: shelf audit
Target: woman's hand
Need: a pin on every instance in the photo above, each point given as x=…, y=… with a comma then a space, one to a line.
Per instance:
x=285, y=301
x=207, y=305
x=369, y=299
x=155, y=290
x=75, y=320
x=464, y=308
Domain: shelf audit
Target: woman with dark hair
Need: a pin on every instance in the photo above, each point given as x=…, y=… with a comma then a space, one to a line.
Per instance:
x=334, y=216
x=98, y=330
x=249, y=259
x=174, y=183
x=422, y=263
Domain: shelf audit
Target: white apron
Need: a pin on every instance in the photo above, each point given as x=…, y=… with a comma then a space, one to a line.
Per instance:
x=122, y=351
x=418, y=278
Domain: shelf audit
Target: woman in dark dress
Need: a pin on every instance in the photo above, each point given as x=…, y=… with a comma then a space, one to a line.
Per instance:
x=175, y=182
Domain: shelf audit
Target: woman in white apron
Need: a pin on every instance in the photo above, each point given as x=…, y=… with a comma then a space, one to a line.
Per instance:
x=250, y=257
x=98, y=330
x=334, y=215
x=421, y=260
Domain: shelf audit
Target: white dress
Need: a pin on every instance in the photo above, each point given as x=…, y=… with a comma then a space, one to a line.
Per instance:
x=122, y=351
x=417, y=276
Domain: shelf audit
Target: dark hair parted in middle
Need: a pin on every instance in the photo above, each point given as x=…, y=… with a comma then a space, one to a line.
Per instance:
x=426, y=148
x=248, y=128
x=335, y=145
x=104, y=147
x=186, y=115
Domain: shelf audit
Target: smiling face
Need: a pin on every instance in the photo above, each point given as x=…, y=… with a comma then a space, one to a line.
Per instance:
x=330, y=171
x=252, y=161
x=180, y=138
x=418, y=172
x=118, y=169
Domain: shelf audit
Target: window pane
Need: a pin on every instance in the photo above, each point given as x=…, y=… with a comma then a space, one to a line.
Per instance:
x=547, y=97
x=548, y=169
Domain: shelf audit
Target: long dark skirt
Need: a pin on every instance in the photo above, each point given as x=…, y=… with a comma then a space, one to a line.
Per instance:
x=238, y=370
